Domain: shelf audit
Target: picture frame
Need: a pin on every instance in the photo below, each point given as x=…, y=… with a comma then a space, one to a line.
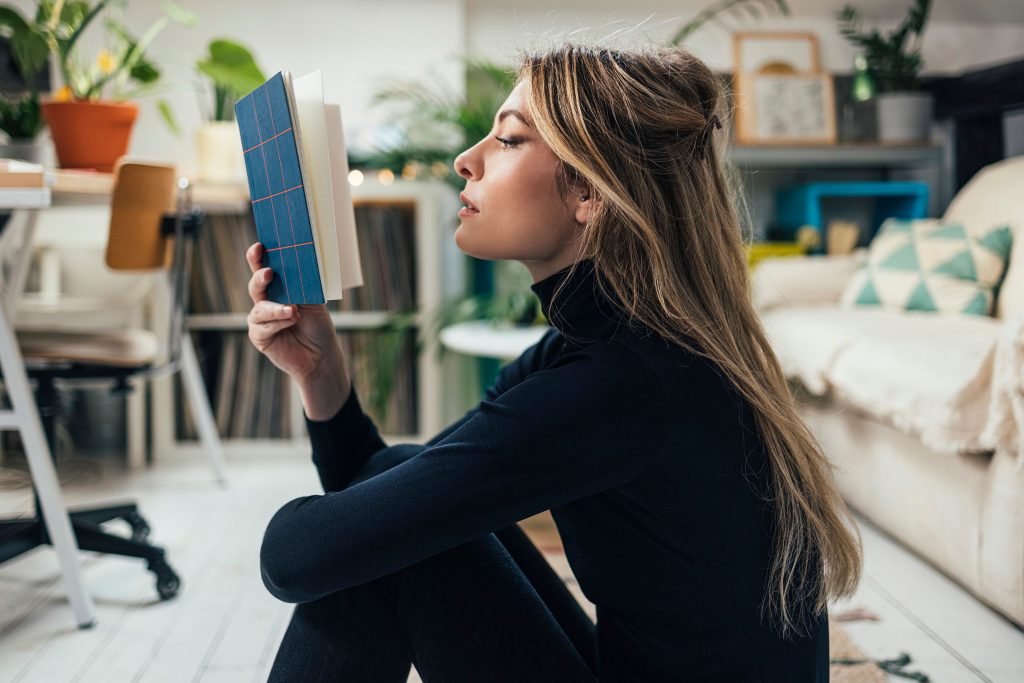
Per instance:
x=782, y=96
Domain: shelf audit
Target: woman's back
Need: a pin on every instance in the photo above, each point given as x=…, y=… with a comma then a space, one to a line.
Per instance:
x=676, y=558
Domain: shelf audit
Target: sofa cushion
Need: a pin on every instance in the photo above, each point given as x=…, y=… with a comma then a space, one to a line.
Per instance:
x=927, y=374
x=928, y=265
x=993, y=196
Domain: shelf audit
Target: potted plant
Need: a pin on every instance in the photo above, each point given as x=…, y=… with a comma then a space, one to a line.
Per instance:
x=20, y=117
x=230, y=71
x=894, y=62
x=91, y=116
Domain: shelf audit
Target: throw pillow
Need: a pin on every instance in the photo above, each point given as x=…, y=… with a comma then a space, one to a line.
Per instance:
x=927, y=265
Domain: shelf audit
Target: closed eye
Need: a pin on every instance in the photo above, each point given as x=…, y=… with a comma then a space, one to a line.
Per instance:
x=507, y=143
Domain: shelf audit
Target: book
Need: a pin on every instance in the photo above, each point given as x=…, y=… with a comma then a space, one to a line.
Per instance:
x=297, y=169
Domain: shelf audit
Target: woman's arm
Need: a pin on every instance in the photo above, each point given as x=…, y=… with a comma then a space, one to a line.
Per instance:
x=582, y=426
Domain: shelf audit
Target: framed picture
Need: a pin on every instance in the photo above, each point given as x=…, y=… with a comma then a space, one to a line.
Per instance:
x=782, y=97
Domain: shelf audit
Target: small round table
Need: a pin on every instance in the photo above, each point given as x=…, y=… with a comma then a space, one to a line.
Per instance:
x=487, y=339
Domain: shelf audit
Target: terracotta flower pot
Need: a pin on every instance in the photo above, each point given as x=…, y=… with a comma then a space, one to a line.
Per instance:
x=90, y=134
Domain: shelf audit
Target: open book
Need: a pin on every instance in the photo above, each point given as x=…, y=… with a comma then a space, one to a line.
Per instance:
x=297, y=166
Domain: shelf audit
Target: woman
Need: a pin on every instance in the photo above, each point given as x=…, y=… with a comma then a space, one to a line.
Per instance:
x=697, y=511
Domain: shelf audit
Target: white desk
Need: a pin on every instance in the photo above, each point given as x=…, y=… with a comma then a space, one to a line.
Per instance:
x=15, y=256
x=16, y=244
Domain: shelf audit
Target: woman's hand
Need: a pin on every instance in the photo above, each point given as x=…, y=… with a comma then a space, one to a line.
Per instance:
x=300, y=340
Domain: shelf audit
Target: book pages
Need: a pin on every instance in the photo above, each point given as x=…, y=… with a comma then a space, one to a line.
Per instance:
x=309, y=101
x=344, y=212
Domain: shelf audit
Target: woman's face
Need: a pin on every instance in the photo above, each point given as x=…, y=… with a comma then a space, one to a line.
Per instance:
x=517, y=211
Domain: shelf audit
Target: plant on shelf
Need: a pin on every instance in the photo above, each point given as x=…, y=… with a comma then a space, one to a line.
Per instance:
x=91, y=115
x=228, y=71
x=20, y=116
x=894, y=63
x=712, y=12
x=435, y=123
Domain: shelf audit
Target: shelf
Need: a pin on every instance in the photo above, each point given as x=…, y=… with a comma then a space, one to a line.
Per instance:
x=835, y=156
x=343, y=320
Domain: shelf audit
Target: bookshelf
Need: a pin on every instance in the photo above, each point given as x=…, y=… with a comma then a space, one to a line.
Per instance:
x=410, y=266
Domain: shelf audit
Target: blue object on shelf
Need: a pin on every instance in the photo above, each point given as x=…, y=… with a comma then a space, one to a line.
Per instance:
x=801, y=205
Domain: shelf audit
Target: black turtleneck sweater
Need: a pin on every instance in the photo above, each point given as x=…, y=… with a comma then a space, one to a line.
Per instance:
x=648, y=461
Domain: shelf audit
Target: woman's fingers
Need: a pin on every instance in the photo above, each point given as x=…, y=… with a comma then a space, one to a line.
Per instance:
x=268, y=311
x=258, y=284
x=260, y=333
x=254, y=256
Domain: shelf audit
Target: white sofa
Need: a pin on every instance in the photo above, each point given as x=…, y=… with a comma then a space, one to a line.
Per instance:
x=921, y=413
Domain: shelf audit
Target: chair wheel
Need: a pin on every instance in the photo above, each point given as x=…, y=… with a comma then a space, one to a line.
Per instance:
x=167, y=582
x=140, y=528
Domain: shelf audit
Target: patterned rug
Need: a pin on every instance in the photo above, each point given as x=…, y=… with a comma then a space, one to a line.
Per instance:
x=849, y=664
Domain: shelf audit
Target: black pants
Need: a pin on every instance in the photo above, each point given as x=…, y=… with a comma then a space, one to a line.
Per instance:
x=488, y=610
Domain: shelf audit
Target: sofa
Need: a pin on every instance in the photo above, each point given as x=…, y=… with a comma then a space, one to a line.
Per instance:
x=921, y=413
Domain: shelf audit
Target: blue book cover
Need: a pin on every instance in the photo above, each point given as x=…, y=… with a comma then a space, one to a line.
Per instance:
x=279, y=192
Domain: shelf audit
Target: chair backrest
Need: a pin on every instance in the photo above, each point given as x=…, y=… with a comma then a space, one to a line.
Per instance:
x=992, y=197
x=143, y=194
x=153, y=224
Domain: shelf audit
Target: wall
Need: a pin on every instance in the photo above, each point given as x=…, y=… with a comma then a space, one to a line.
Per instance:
x=357, y=43
x=950, y=45
x=361, y=43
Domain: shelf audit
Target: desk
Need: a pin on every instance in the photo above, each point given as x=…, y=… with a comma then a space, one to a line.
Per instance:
x=23, y=416
x=15, y=255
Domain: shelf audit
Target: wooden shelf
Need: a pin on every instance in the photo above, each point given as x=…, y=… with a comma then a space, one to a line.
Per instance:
x=837, y=156
x=343, y=320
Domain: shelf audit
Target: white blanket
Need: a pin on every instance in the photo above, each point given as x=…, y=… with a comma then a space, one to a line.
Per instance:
x=953, y=381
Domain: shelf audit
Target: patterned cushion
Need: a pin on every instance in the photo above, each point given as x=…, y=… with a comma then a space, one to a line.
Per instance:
x=927, y=265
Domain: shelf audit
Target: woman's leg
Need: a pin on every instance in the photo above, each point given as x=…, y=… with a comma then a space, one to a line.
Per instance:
x=466, y=614
x=492, y=609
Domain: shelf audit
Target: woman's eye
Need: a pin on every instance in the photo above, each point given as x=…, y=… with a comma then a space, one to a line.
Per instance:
x=507, y=143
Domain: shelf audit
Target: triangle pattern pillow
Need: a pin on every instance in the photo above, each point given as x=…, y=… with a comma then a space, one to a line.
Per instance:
x=926, y=265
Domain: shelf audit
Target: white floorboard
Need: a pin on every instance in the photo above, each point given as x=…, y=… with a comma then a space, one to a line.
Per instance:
x=224, y=627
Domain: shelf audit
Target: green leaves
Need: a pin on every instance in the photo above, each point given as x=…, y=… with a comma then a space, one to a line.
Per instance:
x=28, y=46
x=894, y=60
x=712, y=12
x=233, y=66
x=21, y=117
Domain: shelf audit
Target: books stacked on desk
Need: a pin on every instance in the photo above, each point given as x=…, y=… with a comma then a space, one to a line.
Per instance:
x=23, y=183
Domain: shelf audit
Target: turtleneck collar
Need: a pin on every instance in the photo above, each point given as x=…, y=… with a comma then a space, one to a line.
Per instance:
x=581, y=313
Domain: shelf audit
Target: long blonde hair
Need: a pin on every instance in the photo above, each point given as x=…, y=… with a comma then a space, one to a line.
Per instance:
x=639, y=126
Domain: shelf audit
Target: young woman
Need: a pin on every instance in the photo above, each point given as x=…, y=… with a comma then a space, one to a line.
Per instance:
x=696, y=509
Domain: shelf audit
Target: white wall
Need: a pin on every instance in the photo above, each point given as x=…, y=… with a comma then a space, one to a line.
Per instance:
x=498, y=29
x=359, y=43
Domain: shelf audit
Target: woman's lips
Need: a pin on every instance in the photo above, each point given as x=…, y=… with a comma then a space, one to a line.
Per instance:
x=468, y=209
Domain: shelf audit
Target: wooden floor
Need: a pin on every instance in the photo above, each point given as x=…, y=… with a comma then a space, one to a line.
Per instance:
x=225, y=627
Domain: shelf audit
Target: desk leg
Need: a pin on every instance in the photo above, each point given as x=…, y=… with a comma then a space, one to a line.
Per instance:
x=24, y=417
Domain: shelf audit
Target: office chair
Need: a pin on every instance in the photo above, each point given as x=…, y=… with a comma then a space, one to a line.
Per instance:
x=153, y=225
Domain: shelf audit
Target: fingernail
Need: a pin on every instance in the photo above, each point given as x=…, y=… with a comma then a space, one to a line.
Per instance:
x=266, y=274
x=286, y=311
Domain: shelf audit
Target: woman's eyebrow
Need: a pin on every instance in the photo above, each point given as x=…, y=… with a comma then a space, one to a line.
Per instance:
x=512, y=112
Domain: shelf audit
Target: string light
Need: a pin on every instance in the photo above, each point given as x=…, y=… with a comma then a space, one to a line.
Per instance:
x=386, y=176
x=355, y=177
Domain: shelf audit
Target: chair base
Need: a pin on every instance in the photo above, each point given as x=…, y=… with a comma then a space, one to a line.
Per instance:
x=21, y=535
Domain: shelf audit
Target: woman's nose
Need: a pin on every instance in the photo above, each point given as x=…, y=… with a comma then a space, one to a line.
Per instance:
x=464, y=167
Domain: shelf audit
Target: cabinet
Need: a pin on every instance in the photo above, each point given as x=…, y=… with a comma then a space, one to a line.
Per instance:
x=410, y=268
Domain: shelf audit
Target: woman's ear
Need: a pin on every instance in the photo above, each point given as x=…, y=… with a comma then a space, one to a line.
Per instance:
x=583, y=204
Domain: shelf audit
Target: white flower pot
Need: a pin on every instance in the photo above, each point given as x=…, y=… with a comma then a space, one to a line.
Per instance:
x=904, y=116
x=33, y=150
x=219, y=152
